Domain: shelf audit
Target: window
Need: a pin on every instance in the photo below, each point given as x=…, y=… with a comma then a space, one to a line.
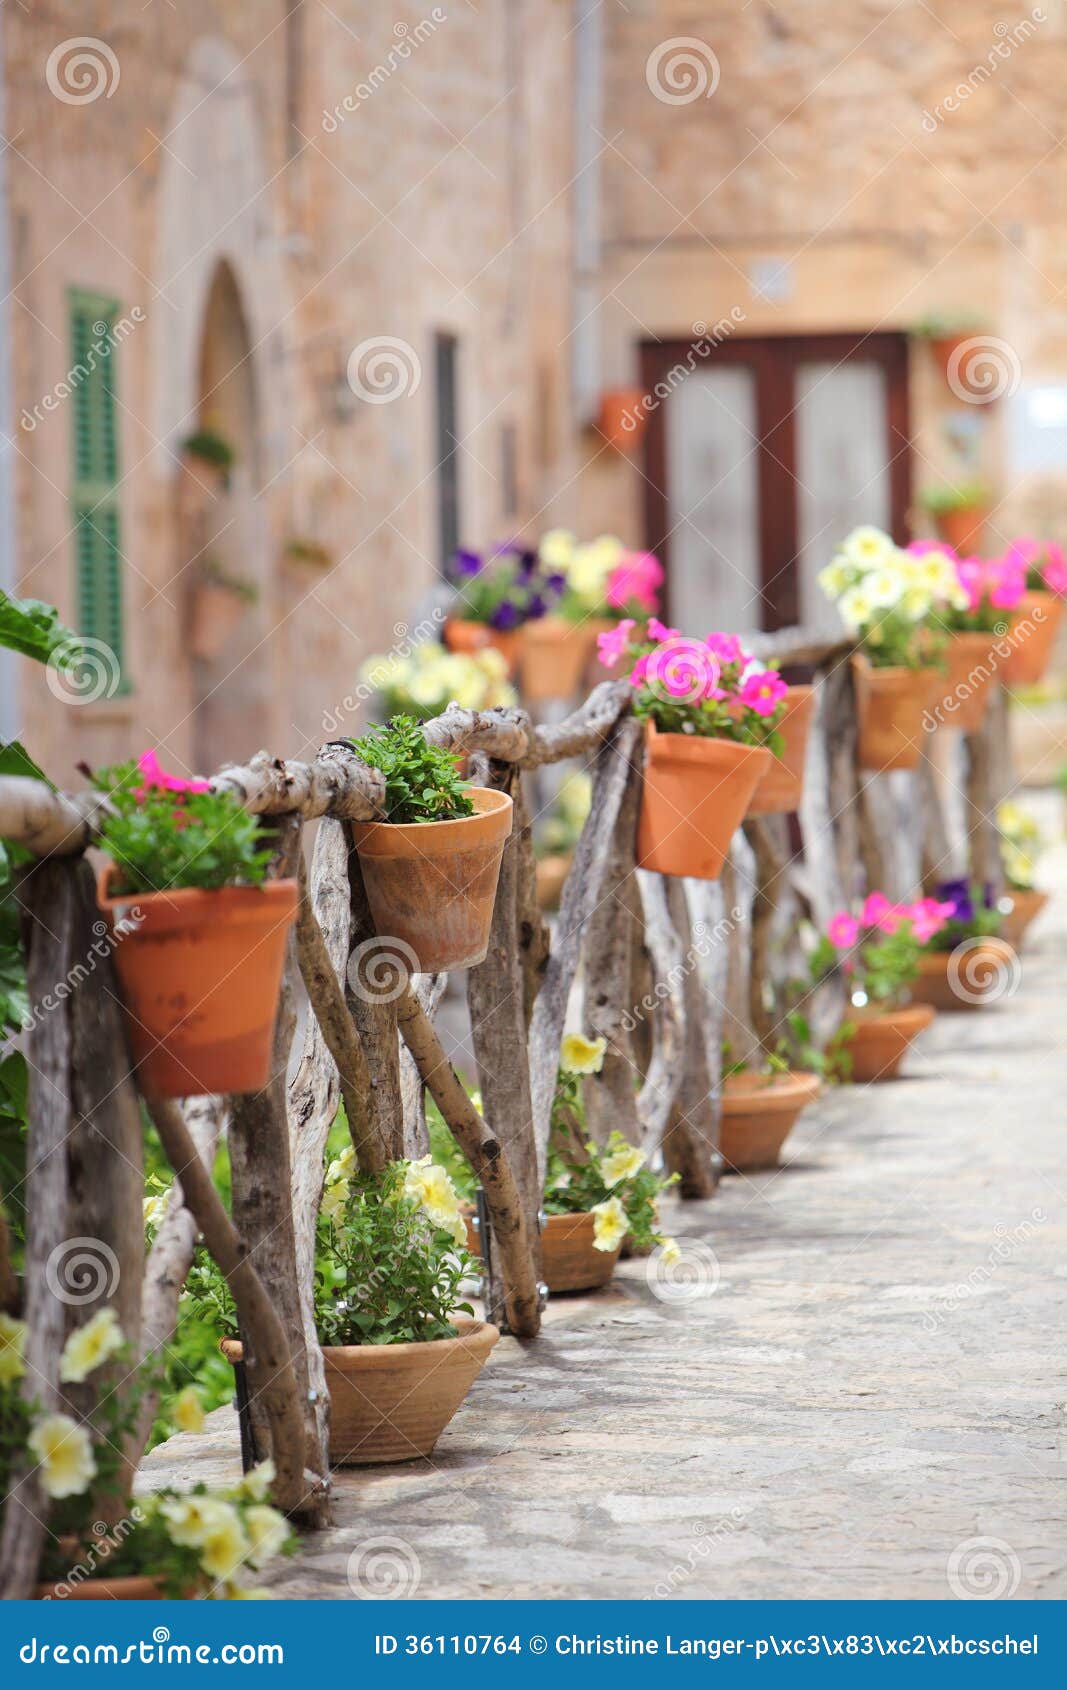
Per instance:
x=95, y=466
x=446, y=360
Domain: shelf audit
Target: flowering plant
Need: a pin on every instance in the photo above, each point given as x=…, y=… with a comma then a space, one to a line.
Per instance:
x=503, y=588
x=891, y=599
x=601, y=578
x=878, y=949
x=711, y=687
x=1042, y=564
x=430, y=677
x=1021, y=842
x=163, y=832
x=613, y=1182
x=988, y=588
x=970, y=913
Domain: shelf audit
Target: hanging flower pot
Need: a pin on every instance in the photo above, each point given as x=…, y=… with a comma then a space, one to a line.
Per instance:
x=200, y=974
x=1026, y=906
x=758, y=1112
x=218, y=606
x=570, y=1260
x=976, y=974
x=555, y=656
x=622, y=417
x=781, y=787
x=695, y=795
x=964, y=690
x=550, y=874
x=892, y=705
x=881, y=1039
x=432, y=885
x=1032, y=638
x=471, y=637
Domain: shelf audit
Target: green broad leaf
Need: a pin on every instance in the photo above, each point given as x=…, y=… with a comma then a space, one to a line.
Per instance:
x=33, y=628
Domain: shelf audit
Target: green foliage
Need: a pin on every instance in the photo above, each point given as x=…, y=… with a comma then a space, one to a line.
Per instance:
x=582, y=1174
x=161, y=840
x=210, y=447
x=951, y=497
x=421, y=782
x=33, y=628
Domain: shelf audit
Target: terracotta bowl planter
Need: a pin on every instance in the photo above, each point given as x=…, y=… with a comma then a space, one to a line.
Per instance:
x=943, y=347
x=780, y=789
x=391, y=1402
x=622, y=417
x=880, y=1042
x=1034, y=627
x=1025, y=908
x=432, y=885
x=974, y=980
x=964, y=691
x=217, y=612
x=892, y=705
x=570, y=1260
x=471, y=637
x=200, y=974
x=963, y=528
x=550, y=876
x=133, y=1589
x=555, y=656
x=758, y=1112
x=695, y=795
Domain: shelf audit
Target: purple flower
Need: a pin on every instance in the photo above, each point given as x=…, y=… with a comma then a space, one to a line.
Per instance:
x=536, y=607
x=958, y=894
x=505, y=616
x=466, y=563
x=557, y=582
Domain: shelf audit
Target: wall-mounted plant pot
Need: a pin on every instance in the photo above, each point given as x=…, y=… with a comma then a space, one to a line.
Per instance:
x=200, y=974
x=973, y=976
x=135, y=1588
x=1025, y=908
x=758, y=1112
x=882, y=1037
x=555, y=656
x=892, y=705
x=217, y=613
x=551, y=876
x=780, y=790
x=964, y=691
x=468, y=638
x=432, y=885
x=943, y=348
x=962, y=529
x=622, y=417
x=570, y=1261
x=1034, y=627
x=695, y=795
x=391, y=1402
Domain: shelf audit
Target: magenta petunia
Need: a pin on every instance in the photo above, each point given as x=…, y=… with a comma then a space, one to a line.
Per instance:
x=612, y=644
x=156, y=776
x=763, y=692
x=843, y=930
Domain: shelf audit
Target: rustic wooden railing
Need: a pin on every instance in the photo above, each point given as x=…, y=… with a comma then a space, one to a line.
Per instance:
x=668, y=969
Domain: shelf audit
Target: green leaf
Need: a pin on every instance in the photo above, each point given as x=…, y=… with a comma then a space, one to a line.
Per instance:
x=33, y=628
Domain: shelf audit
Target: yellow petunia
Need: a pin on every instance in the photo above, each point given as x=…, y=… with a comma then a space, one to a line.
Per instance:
x=267, y=1533
x=12, y=1349
x=670, y=1255
x=90, y=1346
x=579, y=1055
x=610, y=1225
x=257, y=1481
x=622, y=1164
x=431, y=1186
x=188, y=1411
x=225, y=1547
x=64, y=1452
x=868, y=548
x=191, y=1520
x=557, y=548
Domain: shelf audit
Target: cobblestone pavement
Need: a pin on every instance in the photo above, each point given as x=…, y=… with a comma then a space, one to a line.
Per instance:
x=866, y=1399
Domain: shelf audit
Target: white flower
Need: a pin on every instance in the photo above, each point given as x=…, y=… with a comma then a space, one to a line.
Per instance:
x=89, y=1346
x=257, y=1481
x=267, y=1532
x=622, y=1164
x=856, y=607
x=868, y=548
x=65, y=1453
x=884, y=587
x=611, y=1224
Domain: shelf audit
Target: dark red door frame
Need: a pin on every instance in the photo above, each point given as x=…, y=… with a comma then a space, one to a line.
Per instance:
x=774, y=361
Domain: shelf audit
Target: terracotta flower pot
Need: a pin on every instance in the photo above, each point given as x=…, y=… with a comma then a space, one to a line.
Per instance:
x=622, y=417
x=200, y=974
x=391, y=1402
x=695, y=795
x=217, y=612
x=964, y=691
x=972, y=976
x=781, y=787
x=551, y=875
x=963, y=528
x=943, y=348
x=1034, y=627
x=570, y=1260
x=1025, y=908
x=471, y=637
x=892, y=705
x=882, y=1037
x=758, y=1112
x=555, y=656
x=132, y=1589
x=432, y=885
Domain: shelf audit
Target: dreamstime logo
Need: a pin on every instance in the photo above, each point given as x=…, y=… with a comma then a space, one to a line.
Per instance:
x=406, y=40
x=81, y=1270
x=984, y=971
x=982, y=369
x=704, y=940
x=692, y=1274
x=107, y=334
x=95, y=1555
x=979, y=1282
x=377, y=675
x=83, y=670
x=707, y=1538
x=383, y=1568
x=379, y=969
x=706, y=337
x=682, y=670
x=984, y=1568
x=383, y=369
x=1008, y=38
x=78, y=71
x=682, y=70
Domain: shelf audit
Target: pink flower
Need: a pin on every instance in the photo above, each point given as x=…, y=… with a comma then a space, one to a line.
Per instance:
x=971, y=574
x=1055, y=570
x=843, y=930
x=763, y=692
x=156, y=776
x=726, y=647
x=919, y=548
x=639, y=670
x=636, y=580
x=657, y=632
x=874, y=909
x=927, y=917
x=611, y=645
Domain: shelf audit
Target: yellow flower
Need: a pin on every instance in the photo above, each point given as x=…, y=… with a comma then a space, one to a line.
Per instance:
x=341, y=1166
x=492, y=663
x=622, y=1164
x=432, y=1187
x=856, y=607
x=154, y=1207
x=267, y=1533
x=868, y=548
x=188, y=1411
x=225, y=1546
x=65, y=1454
x=835, y=577
x=579, y=1055
x=884, y=586
x=12, y=1349
x=240, y=1593
x=257, y=1481
x=610, y=1226
x=334, y=1199
x=191, y=1520
x=670, y=1255
x=89, y=1346
x=557, y=549
x=916, y=603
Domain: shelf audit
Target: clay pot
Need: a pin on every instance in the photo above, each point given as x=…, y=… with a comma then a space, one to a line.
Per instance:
x=133, y=1589
x=432, y=885
x=695, y=795
x=881, y=1039
x=1034, y=627
x=943, y=347
x=963, y=528
x=758, y=1111
x=391, y=1402
x=471, y=637
x=964, y=691
x=570, y=1260
x=555, y=656
x=1025, y=908
x=780, y=789
x=200, y=974
x=622, y=417
x=972, y=976
x=550, y=875
x=217, y=612
x=892, y=705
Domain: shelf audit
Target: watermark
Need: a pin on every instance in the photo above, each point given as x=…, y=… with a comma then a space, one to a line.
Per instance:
x=707, y=1537
x=982, y=369
x=1005, y=638
x=407, y=39
x=83, y=670
x=682, y=671
x=93, y=1563
x=106, y=336
x=978, y=1281
x=985, y=1569
x=384, y=368
x=384, y=1568
x=706, y=339
x=705, y=940
x=682, y=70
x=79, y=70
x=685, y=1274
x=81, y=1270
x=379, y=969
x=984, y=971
x=107, y=938
x=378, y=675
x=1009, y=38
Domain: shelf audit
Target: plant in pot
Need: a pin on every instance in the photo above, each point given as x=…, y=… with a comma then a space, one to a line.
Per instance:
x=219, y=602
x=1041, y=567
x=966, y=964
x=199, y=931
x=495, y=595
x=1021, y=843
x=401, y=1346
x=760, y=1105
x=208, y=447
x=960, y=511
x=886, y=599
x=99, y=1545
x=974, y=613
x=711, y=714
x=422, y=683
x=431, y=866
x=946, y=336
x=558, y=835
x=602, y=583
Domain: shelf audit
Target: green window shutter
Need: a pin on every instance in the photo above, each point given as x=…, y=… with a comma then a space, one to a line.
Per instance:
x=95, y=467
